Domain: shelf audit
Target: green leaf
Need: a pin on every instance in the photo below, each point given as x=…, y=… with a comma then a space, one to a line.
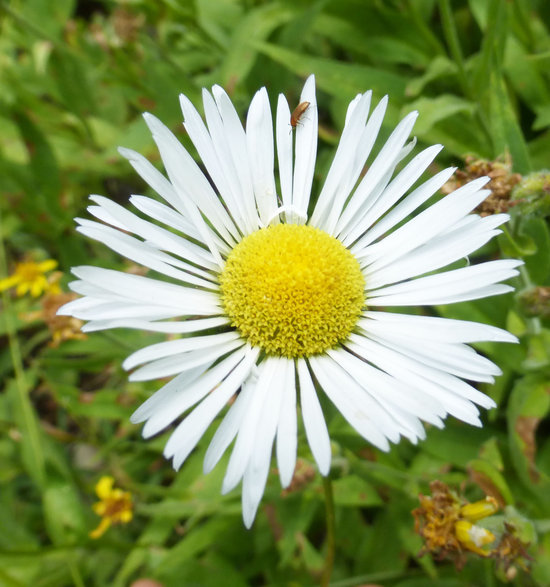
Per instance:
x=538, y=263
x=28, y=430
x=433, y=110
x=255, y=26
x=457, y=443
x=354, y=491
x=44, y=184
x=490, y=479
x=529, y=404
x=336, y=78
x=63, y=513
x=524, y=76
x=439, y=67
x=190, y=546
x=219, y=18
x=381, y=48
x=541, y=564
x=506, y=132
x=516, y=245
x=538, y=351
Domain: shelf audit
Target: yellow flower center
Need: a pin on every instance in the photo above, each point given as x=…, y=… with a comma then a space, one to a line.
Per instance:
x=292, y=290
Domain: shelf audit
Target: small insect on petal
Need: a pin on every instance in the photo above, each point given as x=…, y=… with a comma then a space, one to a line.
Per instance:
x=297, y=113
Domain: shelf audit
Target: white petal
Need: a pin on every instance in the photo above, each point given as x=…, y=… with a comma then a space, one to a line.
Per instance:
x=357, y=225
x=429, y=223
x=432, y=328
x=415, y=199
x=363, y=197
x=358, y=409
x=155, y=179
x=188, y=180
x=112, y=284
x=173, y=347
x=191, y=189
x=306, y=148
x=198, y=379
x=437, y=289
x=314, y=421
x=190, y=430
x=143, y=254
x=350, y=157
x=238, y=152
x=440, y=252
x=447, y=389
x=174, y=364
x=221, y=147
x=228, y=428
x=113, y=310
x=259, y=139
x=205, y=146
x=382, y=387
x=287, y=427
x=255, y=475
x=260, y=387
x=162, y=238
x=165, y=214
x=181, y=400
x=284, y=150
x=180, y=327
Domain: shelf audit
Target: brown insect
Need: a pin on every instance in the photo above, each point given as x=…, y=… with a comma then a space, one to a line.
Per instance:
x=297, y=113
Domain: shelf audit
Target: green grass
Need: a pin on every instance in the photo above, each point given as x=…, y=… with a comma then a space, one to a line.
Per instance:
x=75, y=77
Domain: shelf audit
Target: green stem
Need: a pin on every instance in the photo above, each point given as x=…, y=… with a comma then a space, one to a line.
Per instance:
x=329, y=556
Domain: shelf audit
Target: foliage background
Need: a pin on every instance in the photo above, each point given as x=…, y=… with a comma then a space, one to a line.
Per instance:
x=75, y=76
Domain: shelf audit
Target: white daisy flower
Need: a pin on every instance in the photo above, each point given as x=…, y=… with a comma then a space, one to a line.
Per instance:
x=280, y=296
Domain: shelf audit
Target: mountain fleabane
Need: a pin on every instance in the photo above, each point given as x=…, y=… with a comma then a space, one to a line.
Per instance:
x=277, y=294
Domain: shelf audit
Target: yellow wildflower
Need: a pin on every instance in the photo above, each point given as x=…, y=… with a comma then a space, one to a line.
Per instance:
x=30, y=277
x=114, y=507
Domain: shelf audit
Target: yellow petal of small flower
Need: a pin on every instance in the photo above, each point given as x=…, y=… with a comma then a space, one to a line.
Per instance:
x=104, y=486
x=479, y=509
x=473, y=537
x=104, y=525
x=8, y=282
x=47, y=265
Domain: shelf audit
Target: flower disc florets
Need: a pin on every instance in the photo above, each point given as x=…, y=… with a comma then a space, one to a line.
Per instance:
x=293, y=290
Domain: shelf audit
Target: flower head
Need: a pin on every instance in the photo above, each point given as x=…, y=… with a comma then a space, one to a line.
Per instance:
x=30, y=277
x=279, y=293
x=114, y=507
x=448, y=527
